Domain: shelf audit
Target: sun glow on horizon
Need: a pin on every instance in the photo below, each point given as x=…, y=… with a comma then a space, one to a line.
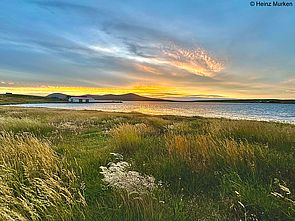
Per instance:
x=44, y=90
x=151, y=91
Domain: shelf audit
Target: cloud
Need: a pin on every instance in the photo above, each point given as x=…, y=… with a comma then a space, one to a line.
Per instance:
x=186, y=96
x=117, y=44
x=153, y=46
x=206, y=96
x=141, y=51
x=6, y=83
x=62, y=5
x=134, y=31
x=146, y=68
x=197, y=61
x=120, y=44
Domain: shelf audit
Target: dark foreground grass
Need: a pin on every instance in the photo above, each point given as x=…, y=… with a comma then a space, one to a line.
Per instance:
x=179, y=168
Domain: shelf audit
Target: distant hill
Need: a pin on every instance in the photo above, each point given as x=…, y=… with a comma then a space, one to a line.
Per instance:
x=123, y=97
x=10, y=98
x=60, y=96
x=120, y=97
x=136, y=97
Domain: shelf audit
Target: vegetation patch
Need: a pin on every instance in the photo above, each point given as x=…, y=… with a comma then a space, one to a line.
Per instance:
x=35, y=183
x=89, y=165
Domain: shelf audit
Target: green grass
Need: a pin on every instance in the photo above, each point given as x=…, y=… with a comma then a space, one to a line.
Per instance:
x=22, y=99
x=204, y=169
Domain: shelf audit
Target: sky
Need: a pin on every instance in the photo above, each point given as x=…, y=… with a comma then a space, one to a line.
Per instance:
x=191, y=49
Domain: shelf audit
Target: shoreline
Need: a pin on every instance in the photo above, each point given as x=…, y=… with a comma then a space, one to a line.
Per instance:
x=147, y=114
x=116, y=102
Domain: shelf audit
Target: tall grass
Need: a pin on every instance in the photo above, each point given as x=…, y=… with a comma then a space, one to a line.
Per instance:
x=204, y=152
x=238, y=166
x=211, y=169
x=127, y=138
x=35, y=183
x=275, y=135
x=24, y=124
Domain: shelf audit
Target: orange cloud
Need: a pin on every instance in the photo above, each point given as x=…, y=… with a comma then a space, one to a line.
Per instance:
x=197, y=61
x=146, y=69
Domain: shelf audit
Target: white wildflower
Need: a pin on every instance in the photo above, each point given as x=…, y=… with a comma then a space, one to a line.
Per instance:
x=276, y=194
x=285, y=189
x=117, y=176
x=117, y=156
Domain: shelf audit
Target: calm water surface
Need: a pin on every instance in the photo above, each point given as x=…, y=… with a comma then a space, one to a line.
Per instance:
x=252, y=111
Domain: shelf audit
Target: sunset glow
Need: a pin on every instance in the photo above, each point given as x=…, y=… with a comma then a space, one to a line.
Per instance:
x=73, y=47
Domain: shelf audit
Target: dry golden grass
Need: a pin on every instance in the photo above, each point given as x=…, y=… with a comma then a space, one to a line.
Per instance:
x=127, y=137
x=275, y=135
x=35, y=184
x=204, y=152
x=13, y=123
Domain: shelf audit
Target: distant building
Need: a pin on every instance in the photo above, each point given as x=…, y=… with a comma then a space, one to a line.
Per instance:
x=8, y=93
x=82, y=100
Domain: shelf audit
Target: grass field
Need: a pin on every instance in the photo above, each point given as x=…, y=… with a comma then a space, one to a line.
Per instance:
x=90, y=165
x=21, y=99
